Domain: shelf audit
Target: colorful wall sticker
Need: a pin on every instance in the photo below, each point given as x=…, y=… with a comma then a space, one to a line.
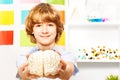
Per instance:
x=24, y=14
x=56, y=1
x=6, y=37
x=62, y=16
x=6, y=17
x=62, y=40
x=6, y=1
x=30, y=1
x=24, y=39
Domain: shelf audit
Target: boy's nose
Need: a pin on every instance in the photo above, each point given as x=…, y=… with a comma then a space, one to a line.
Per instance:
x=45, y=29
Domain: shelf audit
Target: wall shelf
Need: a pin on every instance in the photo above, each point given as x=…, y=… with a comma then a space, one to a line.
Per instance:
x=80, y=33
x=107, y=61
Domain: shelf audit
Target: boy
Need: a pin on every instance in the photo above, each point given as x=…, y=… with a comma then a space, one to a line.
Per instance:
x=44, y=27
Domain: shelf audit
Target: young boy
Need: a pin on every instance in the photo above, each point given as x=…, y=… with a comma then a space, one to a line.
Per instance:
x=44, y=27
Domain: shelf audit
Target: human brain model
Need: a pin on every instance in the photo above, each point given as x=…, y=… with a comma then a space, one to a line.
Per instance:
x=44, y=63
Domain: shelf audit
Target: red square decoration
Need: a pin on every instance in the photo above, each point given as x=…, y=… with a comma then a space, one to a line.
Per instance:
x=6, y=37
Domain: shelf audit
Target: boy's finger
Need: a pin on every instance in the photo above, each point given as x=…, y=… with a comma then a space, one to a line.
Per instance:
x=27, y=56
x=63, y=63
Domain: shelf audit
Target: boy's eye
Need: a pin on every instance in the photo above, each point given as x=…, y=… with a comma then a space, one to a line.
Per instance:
x=51, y=24
x=38, y=25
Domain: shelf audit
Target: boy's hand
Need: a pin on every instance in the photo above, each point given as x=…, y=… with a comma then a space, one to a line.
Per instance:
x=24, y=72
x=61, y=70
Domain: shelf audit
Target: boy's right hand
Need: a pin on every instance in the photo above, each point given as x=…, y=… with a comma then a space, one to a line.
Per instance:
x=24, y=72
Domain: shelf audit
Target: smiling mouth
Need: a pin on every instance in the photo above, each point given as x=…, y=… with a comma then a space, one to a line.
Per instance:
x=45, y=36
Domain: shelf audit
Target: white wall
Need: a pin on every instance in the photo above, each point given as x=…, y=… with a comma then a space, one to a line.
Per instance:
x=7, y=62
x=8, y=56
x=96, y=71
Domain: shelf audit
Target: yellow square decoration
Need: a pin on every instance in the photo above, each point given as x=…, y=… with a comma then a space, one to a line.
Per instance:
x=62, y=40
x=6, y=17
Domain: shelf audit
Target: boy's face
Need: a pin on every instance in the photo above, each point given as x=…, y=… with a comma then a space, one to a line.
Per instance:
x=45, y=33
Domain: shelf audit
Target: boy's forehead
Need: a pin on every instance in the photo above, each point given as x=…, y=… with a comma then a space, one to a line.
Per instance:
x=43, y=21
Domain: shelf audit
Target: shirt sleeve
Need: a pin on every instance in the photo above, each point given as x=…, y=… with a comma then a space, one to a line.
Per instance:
x=22, y=57
x=68, y=56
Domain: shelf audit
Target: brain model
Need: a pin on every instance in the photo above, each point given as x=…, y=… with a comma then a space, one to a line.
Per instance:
x=44, y=63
